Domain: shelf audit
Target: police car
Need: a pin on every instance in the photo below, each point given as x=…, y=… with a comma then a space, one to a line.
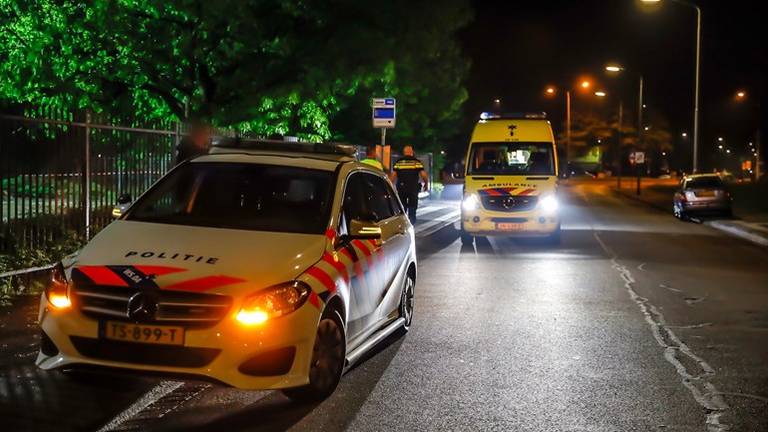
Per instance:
x=263, y=265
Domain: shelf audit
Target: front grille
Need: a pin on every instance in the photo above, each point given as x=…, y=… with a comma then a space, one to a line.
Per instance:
x=156, y=355
x=186, y=309
x=509, y=203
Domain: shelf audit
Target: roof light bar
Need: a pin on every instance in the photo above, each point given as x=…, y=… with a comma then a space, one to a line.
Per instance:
x=285, y=146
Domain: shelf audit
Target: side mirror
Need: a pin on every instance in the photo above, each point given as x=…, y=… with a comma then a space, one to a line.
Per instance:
x=124, y=199
x=363, y=230
x=123, y=202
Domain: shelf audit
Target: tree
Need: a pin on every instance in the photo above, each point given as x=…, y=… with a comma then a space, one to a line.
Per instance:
x=590, y=130
x=267, y=66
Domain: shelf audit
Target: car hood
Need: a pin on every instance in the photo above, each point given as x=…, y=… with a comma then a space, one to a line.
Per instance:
x=189, y=258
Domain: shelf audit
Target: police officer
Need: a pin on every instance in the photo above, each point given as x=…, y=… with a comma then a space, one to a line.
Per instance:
x=372, y=159
x=195, y=144
x=407, y=172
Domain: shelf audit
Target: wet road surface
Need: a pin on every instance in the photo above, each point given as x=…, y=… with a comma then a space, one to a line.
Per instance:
x=635, y=322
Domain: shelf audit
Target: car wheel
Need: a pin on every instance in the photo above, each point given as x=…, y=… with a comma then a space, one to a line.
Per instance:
x=328, y=358
x=466, y=238
x=554, y=238
x=406, y=300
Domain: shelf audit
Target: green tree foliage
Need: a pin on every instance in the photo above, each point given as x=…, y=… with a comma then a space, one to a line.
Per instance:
x=266, y=66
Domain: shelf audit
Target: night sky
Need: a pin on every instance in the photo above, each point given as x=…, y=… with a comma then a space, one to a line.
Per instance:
x=517, y=48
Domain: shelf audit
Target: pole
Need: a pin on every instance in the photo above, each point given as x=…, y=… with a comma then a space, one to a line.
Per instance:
x=618, y=144
x=87, y=176
x=383, y=144
x=567, y=129
x=640, y=114
x=696, y=91
x=757, y=155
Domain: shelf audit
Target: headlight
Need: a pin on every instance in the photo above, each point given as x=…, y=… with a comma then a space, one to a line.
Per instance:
x=57, y=291
x=549, y=204
x=273, y=302
x=470, y=203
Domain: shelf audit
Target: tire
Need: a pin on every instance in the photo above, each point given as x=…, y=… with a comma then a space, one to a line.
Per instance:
x=554, y=238
x=466, y=238
x=327, y=364
x=405, y=308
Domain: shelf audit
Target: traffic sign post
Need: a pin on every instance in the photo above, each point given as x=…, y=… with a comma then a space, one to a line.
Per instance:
x=383, y=116
x=639, y=160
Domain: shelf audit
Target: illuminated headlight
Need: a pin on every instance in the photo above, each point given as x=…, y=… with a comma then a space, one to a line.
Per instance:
x=549, y=204
x=57, y=291
x=273, y=302
x=470, y=203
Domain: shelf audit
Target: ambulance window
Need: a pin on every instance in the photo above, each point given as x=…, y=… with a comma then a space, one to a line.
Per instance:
x=512, y=158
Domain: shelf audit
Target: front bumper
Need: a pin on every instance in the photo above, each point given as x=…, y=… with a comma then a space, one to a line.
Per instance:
x=530, y=223
x=218, y=352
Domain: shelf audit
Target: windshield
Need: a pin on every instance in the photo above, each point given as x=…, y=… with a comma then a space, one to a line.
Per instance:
x=240, y=196
x=512, y=158
x=704, y=183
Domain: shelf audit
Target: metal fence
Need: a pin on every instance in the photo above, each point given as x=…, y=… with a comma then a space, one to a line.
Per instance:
x=62, y=172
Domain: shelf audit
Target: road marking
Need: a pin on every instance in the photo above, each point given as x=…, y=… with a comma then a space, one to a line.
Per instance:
x=421, y=211
x=436, y=224
x=704, y=392
x=641, y=267
x=146, y=400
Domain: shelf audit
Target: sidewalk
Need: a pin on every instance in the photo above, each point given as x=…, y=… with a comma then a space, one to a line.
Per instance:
x=748, y=224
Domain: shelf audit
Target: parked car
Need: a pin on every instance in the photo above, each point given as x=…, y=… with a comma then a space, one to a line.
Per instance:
x=265, y=266
x=701, y=194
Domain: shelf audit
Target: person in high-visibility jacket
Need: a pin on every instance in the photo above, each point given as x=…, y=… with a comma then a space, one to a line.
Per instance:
x=407, y=172
x=371, y=159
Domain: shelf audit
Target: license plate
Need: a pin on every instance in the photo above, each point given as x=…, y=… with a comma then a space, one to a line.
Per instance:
x=152, y=334
x=509, y=226
x=705, y=194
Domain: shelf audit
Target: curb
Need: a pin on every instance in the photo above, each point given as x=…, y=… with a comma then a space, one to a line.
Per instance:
x=742, y=233
x=634, y=197
x=726, y=227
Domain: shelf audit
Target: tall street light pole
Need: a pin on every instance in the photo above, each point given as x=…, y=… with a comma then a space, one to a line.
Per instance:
x=612, y=68
x=697, y=78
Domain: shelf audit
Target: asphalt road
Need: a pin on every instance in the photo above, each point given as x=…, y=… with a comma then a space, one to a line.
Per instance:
x=636, y=322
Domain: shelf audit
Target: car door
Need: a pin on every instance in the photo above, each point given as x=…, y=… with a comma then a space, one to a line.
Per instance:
x=361, y=256
x=393, y=246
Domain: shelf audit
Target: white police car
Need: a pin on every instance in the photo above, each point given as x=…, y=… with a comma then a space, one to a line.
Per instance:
x=263, y=265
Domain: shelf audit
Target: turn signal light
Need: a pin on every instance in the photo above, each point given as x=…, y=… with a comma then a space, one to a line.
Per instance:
x=273, y=302
x=57, y=291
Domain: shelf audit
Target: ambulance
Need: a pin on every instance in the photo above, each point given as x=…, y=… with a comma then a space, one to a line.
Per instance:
x=510, y=186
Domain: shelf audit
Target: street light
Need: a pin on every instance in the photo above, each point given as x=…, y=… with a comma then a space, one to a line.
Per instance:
x=741, y=94
x=585, y=84
x=615, y=68
x=684, y=135
x=550, y=91
x=600, y=93
x=696, y=77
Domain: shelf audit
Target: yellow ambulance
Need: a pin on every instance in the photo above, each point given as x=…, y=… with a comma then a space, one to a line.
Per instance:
x=510, y=186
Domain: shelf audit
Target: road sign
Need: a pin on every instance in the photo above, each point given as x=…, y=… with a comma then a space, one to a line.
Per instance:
x=383, y=112
x=637, y=158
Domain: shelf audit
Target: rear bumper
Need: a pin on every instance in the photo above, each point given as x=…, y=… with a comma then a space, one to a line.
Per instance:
x=704, y=206
x=532, y=223
x=274, y=355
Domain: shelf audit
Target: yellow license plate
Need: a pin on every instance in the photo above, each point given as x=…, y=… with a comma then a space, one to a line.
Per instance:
x=153, y=334
x=509, y=226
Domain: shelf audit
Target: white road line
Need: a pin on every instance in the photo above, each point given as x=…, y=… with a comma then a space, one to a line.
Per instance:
x=144, y=401
x=435, y=224
x=704, y=392
x=429, y=209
